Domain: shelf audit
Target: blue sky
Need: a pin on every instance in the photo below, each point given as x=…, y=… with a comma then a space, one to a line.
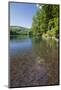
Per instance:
x=21, y=14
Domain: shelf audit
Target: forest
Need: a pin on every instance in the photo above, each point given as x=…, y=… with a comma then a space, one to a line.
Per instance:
x=46, y=21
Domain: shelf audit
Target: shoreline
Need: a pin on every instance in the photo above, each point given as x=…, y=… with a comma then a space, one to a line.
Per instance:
x=53, y=38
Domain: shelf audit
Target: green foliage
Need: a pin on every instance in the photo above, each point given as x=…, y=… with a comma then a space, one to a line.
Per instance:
x=54, y=31
x=46, y=21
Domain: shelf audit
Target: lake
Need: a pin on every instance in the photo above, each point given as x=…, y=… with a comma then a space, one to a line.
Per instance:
x=33, y=62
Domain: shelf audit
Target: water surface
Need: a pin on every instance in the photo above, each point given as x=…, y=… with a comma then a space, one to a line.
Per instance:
x=33, y=62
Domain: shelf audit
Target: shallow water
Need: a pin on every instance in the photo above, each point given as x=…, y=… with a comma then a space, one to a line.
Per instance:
x=33, y=62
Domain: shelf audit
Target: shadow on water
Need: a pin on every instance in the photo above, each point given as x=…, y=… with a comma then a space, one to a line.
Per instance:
x=33, y=62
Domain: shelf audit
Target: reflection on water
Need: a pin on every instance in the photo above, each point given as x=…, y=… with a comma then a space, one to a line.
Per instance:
x=21, y=46
x=33, y=62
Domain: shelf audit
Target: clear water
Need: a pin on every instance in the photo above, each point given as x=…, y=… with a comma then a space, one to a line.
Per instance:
x=33, y=62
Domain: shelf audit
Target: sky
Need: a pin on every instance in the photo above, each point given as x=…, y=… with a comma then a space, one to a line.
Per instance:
x=21, y=14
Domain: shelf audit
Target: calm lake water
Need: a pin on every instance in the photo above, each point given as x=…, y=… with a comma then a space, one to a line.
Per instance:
x=33, y=62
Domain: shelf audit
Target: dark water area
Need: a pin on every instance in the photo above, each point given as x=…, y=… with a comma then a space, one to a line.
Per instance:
x=33, y=62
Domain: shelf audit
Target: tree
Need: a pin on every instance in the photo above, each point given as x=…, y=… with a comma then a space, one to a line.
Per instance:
x=43, y=17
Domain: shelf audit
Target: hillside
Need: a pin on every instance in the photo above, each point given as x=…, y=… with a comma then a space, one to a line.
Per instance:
x=16, y=30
